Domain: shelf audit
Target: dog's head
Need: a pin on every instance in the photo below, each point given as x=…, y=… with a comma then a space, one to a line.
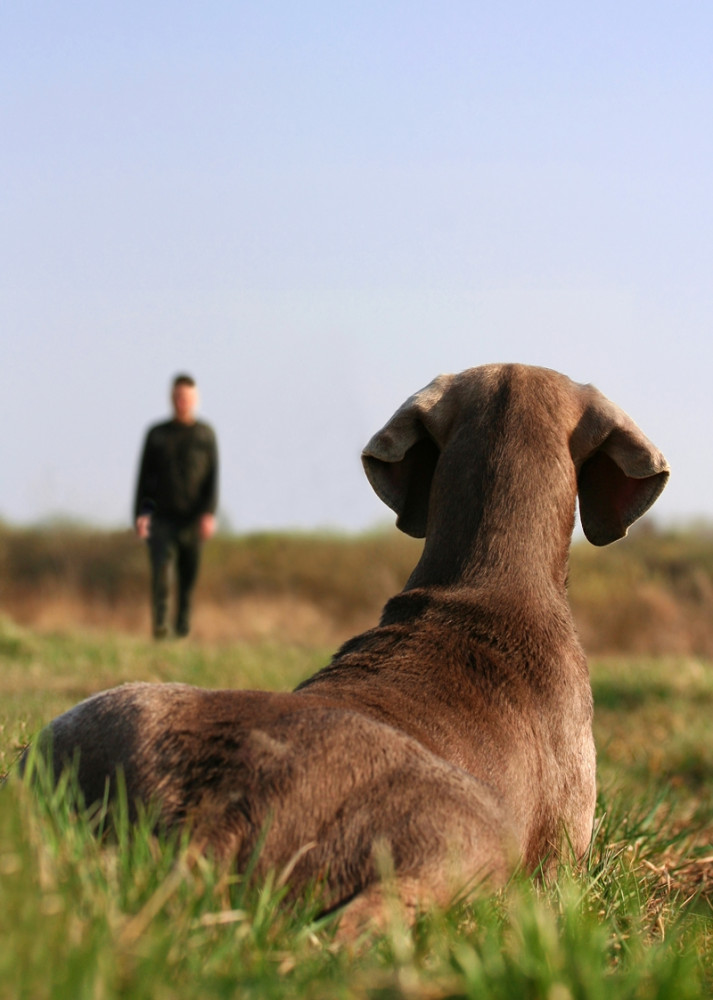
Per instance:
x=619, y=472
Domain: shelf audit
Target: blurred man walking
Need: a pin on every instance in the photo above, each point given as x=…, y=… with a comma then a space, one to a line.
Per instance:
x=176, y=498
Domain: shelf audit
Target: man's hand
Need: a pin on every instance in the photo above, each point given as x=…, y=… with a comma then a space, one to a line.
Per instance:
x=143, y=526
x=206, y=527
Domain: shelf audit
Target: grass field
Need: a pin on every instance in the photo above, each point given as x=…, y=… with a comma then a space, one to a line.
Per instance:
x=89, y=917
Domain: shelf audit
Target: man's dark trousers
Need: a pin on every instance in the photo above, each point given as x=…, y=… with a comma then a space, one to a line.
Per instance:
x=173, y=543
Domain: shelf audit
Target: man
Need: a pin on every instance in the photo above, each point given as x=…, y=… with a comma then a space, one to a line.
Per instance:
x=176, y=498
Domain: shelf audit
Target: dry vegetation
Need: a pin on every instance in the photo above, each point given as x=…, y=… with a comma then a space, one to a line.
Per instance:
x=304, y=588
x=139, y=918
x=651, y=593
x=634, y=921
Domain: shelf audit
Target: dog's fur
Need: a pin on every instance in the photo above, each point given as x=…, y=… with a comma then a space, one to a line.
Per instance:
x=454, y=738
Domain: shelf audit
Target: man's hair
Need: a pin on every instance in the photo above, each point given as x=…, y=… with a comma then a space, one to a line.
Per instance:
x=183, y=379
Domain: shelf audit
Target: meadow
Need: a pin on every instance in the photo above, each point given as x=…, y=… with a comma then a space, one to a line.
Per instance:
x=87, y=913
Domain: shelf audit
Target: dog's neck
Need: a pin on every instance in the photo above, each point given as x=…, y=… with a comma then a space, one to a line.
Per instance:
x=505, y=517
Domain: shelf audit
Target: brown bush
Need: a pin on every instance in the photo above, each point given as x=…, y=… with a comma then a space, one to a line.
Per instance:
x=302, y=587
x=650, y=593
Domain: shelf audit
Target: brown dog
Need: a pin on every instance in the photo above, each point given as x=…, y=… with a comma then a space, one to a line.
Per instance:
x=456, y=736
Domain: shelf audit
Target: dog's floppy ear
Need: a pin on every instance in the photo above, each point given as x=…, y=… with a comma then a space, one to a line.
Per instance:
x=400, y=459
x=622, y=474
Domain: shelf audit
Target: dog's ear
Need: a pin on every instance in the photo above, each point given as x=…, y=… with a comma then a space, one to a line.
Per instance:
x=400, y=459
x=621, y=475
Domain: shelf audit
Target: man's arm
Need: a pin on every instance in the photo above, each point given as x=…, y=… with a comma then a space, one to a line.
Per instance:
x=206, y=526
x=142, y=503
x=143, y=526
x=207, y=523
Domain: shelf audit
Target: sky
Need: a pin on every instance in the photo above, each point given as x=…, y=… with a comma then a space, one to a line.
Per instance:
x=317, y=207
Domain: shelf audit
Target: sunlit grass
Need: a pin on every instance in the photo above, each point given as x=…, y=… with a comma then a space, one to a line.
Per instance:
x=120, y=913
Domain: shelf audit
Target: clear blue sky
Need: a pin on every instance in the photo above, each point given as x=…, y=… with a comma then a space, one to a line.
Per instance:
x=316, y=207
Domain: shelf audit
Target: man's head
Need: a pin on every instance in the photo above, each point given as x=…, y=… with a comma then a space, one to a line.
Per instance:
x=184, y=397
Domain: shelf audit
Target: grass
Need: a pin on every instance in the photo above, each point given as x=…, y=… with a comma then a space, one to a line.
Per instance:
x=87, y=916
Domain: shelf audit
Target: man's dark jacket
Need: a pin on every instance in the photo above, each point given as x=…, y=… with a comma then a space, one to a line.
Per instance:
x=178, y=476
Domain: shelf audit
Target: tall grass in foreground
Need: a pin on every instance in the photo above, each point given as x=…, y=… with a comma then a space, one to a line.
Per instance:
x=133, y=916
x=91, y=914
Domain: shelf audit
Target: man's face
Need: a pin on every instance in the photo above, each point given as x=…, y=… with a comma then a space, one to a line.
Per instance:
x=185, y=401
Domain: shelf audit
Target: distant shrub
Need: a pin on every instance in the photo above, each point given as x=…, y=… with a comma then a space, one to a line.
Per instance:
x=650, y=593
x=94, y=564
x=345, y=576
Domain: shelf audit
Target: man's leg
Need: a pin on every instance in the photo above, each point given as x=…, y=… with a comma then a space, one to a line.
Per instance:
x=162, y=549
x=189, y=555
